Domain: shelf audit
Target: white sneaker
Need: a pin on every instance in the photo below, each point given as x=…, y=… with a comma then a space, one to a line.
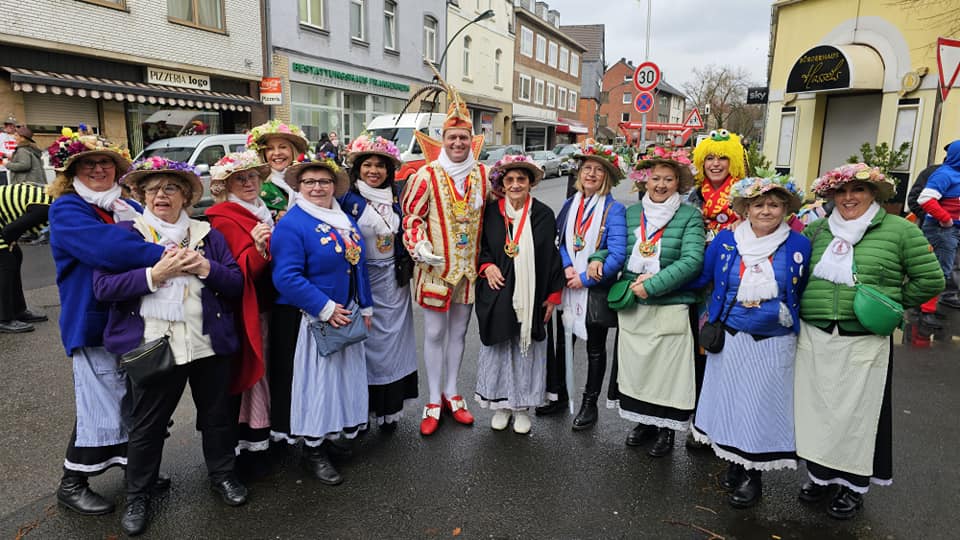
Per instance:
x=521, y=422
x=500, y=419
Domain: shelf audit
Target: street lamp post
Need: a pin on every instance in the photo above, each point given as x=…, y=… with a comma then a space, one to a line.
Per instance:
x=488, y=14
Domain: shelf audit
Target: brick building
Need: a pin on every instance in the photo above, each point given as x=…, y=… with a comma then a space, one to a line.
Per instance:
x=592, y=65
x=617, y=111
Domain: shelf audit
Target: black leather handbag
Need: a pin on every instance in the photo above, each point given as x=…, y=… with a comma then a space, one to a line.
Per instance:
x=149, y=363
x=713, y=334
x=598, y=308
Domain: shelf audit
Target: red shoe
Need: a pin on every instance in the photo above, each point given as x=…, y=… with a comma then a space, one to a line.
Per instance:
x=431, y=419
x=457, y=408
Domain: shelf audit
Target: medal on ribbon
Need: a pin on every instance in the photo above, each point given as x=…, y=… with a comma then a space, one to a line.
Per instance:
x=511, y=247
x=384, y=243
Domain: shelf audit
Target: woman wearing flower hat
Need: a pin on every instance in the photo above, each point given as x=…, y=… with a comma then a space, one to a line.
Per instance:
x=320, y=272
x=245, y=222
x=758, y=273
x=391, y=348
x=654, y=382
x=843, y=370
x=523, y=280
x=83, y=238
x=279, y=146
x=186, y=296
x=589, y=222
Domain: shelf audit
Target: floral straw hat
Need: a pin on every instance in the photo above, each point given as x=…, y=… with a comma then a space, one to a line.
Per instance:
x=72, y=146
x=678, y=158
x=592, y=150
x=367, y=145
x=258, y=136
x=873, y=176
x=145, y=168
x=508, y=163
x=765, y=182
x=231, y=163
x=293, y=172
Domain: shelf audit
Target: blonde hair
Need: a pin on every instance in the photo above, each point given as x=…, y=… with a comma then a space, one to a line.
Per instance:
x=61, y=185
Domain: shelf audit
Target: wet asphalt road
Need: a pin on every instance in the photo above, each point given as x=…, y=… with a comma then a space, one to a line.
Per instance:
x=472, y=482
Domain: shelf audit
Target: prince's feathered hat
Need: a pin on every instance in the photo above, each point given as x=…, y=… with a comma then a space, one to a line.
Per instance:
x=458, y=117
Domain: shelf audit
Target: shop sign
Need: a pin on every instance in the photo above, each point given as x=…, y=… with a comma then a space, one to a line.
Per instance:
x=316, y=71
x=821, y=68
x=181, y=79
x=271, y=91
x=757, y=95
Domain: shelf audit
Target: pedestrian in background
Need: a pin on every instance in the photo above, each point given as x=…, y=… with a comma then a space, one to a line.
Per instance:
x=391, y=346
x=758, y=273
x=8, y=139
x=279, y=146
x=83, y=238
x=185, y=297
x=654, y=383
x=245, y=222
x=26, y=164
x=23, y=208
x=842, y=405
x=523, y=280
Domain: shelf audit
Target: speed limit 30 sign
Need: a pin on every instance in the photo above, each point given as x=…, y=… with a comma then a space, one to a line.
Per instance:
x=646, y=77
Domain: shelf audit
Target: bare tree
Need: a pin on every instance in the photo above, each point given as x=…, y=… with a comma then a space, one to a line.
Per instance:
x=717, y=91
x=935, y=12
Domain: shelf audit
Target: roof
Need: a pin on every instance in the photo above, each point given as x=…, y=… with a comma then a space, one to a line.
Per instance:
x=590, y=36
x=664, y=86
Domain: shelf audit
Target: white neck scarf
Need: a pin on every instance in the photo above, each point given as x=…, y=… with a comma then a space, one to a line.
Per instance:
x=166, y=303
x=333, y=216
x=575, y=300
x=836, y=263
x=378, y=215
x=276, y=177
x=759, y=282
x=257, y=208
x=457, y=171
x=656, y=215
x=108, y=200
x=524, y=272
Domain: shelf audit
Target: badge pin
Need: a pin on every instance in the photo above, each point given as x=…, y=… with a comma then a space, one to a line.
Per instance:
x=798, y=257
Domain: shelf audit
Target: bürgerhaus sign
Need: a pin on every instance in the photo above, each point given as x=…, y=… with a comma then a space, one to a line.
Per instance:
x=821, y=68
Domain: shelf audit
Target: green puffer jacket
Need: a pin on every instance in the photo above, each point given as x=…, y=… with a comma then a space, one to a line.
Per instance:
x=681, y=256
x=893, y=256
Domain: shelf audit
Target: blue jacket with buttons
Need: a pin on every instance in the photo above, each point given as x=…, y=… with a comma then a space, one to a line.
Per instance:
x=721, y=267
x=613, y=239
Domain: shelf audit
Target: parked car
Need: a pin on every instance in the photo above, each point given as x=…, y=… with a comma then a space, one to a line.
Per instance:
x=565, y=149
x=201, y=151
x=399, y=129
x=494, y=153
x=548, y=161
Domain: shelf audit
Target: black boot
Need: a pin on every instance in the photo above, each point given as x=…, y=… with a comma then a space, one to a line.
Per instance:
x=929, y=321
x=135, y=515
x=554, y=407
x=748, y=492
x=664, y=443
x=75, y=493
x=845, y=504
x=318, y=462
x=641, y=435
x=732, y=477
x=812, y=492
x=588, y=412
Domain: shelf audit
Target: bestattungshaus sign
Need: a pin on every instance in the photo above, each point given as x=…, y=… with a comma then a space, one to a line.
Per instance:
x=821, y=68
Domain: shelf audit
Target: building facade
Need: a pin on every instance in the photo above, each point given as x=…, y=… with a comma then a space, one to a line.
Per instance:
x=546, y=78
x=134, y=71
x=865, y=73
x=342, y=63
x=619, y=115
x=479, y=63
x=592, y=66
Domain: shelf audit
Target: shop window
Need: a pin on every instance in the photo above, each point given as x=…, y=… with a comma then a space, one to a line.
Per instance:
x=524, y=92
x=541, y=49
x=390, y=25
x=311, y=12
x=552, y=57
x=497, y=58
x=788, y=122
x=905, y=131
x=564, y=59
x=430, y=39
x=467, y=42
x=206, y=14
x=551, y=95
x=573, y=101
x=538, y=92
x=357, y=23
x=526, y=41
x=575, y=65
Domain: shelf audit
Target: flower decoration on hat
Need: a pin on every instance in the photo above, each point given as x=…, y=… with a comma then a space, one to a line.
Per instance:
x=71, y=143
x=259, y=134
x=644, y=167
x=157, y=163
x=754, y=186
x=834, y=178
x=499, y=170
x=365, y=143
x=591, y=149
x=229, y=164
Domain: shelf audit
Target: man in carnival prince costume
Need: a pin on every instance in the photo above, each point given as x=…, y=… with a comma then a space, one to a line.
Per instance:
x=442, y=211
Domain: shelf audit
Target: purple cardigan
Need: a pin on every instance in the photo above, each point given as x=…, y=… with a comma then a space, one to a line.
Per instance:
x=124, y=290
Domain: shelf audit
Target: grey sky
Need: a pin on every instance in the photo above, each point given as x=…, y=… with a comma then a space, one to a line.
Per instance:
x=685, y=33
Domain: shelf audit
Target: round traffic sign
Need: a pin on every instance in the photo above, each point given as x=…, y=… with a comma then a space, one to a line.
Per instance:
x=644, y=102
x=646, y=76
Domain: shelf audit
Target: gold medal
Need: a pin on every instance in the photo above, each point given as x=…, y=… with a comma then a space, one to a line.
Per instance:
x=460, y=208
x=353, y=254
x=384, y=243
x=647, y=249
x=511, y=249
x=751, y=304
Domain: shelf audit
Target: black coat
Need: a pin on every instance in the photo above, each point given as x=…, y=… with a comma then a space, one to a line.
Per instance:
x=495, y=314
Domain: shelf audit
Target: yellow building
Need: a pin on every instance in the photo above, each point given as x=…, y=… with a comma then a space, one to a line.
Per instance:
x=846, y=72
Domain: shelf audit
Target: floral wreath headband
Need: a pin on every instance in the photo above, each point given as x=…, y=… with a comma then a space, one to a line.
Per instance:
x=835, y=178
x=508, y=162
x=754, y=186
x=367, y=144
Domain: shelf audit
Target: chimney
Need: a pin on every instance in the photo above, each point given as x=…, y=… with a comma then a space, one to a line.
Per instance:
x=542, y=8
x=553, y=17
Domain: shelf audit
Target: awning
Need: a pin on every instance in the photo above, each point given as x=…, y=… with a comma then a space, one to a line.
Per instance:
x=482, y=107
x=571, y=126
x=836, y=67
x=534, y=120
x=606, y=133
x=42, y=82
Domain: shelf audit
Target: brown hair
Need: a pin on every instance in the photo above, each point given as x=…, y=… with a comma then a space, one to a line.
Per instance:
x=185, y=186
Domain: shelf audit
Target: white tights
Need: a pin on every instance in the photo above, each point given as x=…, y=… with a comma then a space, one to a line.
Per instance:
x=443, y=339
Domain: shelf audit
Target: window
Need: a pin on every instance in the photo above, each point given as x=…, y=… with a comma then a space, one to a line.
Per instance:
x=785, y=145
x=538, y=92
x=496, y=67
x=627, y=98
x=627, y=76
x=390, y=24
x=200, y=13
x=524, y=93
x=526, y=41
x=904, y=131
x=466, y=56
x=564, y=59
x=311, y=12
x=541, y=49
x=625, y=117
x=551, y=94
x=118, y=4
x=573, y=101
x=562, y=98
x=552, y=59
x=357, y=30
x=430, y=39
x=575, y=65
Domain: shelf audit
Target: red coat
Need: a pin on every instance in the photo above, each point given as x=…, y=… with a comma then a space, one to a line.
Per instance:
x=235, y=223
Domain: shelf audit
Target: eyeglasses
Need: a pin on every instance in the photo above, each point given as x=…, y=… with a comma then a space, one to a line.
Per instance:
x=250, y=177
x=311, y=183
x=168, y=189
x=105, y=163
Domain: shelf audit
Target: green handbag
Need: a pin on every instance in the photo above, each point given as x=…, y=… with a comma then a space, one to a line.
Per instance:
x=621, y=296
x=876, y=311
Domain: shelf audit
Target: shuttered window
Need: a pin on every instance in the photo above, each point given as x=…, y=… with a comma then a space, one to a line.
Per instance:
x=48, y=113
